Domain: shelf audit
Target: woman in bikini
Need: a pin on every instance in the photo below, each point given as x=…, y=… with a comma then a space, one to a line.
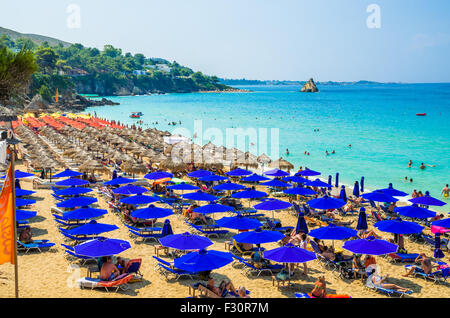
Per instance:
x=320, y=288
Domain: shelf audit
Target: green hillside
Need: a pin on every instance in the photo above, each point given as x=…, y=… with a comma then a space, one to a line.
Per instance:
x=38, y=39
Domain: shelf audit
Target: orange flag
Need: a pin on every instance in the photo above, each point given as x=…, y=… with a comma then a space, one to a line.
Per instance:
x=57, y=96
x=7, y=249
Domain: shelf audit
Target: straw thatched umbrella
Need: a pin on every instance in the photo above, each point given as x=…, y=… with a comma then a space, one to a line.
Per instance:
x=174, y=166
x=282, y=164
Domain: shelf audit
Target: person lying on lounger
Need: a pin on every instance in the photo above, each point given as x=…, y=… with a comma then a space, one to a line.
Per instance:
x=379, y=282
x=365, y=234
x=426, y=266
x=109, y=271
x=328, y=253
x=242, y=292
x=223, y=289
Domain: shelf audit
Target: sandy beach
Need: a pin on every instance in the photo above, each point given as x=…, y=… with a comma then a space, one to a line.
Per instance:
x=50, y=275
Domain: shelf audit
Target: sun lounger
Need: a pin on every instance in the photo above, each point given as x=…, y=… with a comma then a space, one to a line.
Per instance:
x=178, y=273
x=388, y=292
x=77, y=239
x=306, y=295
x=239, y=251
x=119, y=282
x=269, y=224
x=154, y=236
x=83, y=259
x=38, y=245
x=402, y=258
x=436, y=276
x=249, y=268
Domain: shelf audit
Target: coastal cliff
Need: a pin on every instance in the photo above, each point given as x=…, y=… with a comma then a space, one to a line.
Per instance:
x=310, y=87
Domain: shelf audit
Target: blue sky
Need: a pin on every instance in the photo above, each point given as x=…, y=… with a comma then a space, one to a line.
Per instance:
x=260, y=39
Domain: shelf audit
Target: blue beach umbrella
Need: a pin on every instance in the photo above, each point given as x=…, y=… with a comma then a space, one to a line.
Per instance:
x=239, y=222
x=91, y=228
x=158, y=175
x=379, y=196
x=414, y=211
x=437, y=246
x=119, y=181
x=238, y=173
x=393, y=192
x=258, y=236
x=398, y=226
x=356, y=189
x=343, y=194
x=76, y=202
x=72, y=191
x=101, y=247
x=84, y=214
x=443, y=223
x=183, y=187
x=326, y=203
x=228, y=186
x=67, y=173
x=308, y=173
x=199, y=196
x=362, y=220
x=203, y=260
x=337, y=180
x=199, y=174
x=289, y=254
x=254, y=178
x=24, y=202
x=330, y=180
x=23, y=193
x=24, y=215
x=370, y=246
x=300, y=191
x=72, y=182
x=271, y=204
x=139, y=199
x=130, y=190
x=276, y=183
x=295, y=179
x=427, y=200
x=186, y=241
x=362, y=184
x=20, y=175
x=151, y=212
x=167, y=228
x=318, y=183
x=276, y=173
x=333, y=232
x=213, y=208
x=249, y=194
x=212, y=178
x=301, y=224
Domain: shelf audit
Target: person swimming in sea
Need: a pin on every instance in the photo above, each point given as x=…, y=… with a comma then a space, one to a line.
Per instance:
x=333, y=152
x=410, y=180
x=326, y=152
x=446, y=191
x=287, y=152
x=409, y=164
x=350, y=145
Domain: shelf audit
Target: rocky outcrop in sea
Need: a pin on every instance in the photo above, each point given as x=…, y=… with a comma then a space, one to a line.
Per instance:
x=310, y=87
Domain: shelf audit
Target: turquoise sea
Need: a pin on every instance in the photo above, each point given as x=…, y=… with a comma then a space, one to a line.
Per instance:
x=379, y=121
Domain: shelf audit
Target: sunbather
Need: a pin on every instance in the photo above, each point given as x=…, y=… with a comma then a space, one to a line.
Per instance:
x=378, y=281
x=242, y=292
x=123, y=264
x=365, y=234
x=426, y=266
x=358, y=267
x=320, y=244
x=222, y=290
x=369, y=260
x=109, y=271
x=26, y=235
x=328, y=253
x=320, y=288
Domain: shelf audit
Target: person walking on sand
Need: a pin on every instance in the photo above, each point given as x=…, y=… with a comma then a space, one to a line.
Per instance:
x=445, y=191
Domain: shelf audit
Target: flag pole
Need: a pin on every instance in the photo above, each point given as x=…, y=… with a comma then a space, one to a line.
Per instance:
x=13, y=188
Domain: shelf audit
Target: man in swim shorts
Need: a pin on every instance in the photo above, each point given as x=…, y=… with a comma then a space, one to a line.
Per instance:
x=445, y=191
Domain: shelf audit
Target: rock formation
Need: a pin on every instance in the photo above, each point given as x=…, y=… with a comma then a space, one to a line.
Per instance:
x=310, y=87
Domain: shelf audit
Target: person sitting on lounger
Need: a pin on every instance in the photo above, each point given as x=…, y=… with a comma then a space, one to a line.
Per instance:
x=426, y=266
x=109, y=271
x=369, y=260
x=320, y=244
x=320, y=288
x=122, y=264
x=358, y=267
x=328, y=253
x=26, y=235
x=378, y=281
